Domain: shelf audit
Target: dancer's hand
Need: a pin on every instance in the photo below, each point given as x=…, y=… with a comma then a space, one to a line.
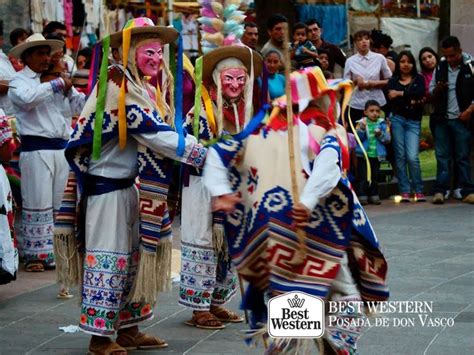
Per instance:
x=301, y=214
x=226, y=203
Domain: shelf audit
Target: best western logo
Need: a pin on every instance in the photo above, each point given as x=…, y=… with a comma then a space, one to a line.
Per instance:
x=296, y=315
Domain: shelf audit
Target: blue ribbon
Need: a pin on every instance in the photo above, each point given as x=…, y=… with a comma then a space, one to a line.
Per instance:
x=253, y=124
x=178, y=95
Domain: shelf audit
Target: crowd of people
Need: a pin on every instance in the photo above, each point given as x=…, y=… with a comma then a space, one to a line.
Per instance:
x=97, y=198
x=402, y=92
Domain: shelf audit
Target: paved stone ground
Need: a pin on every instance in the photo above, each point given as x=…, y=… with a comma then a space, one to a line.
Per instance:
x=430, y=250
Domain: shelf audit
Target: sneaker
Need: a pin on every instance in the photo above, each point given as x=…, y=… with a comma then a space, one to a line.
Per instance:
x=363, y=200
x=405, y=197
x=375, y=200
x=419, y=197
x=438, y=198
x=457, y=194
x=469, y=198
x=447, y=194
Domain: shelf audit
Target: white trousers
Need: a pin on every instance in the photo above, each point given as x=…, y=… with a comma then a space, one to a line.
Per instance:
x=110, y=265
x=43, y=179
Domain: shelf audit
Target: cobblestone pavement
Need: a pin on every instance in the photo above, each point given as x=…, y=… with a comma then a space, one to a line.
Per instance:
x=430, y=250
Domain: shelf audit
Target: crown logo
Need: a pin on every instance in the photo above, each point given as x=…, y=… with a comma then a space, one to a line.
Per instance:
x=296, y=302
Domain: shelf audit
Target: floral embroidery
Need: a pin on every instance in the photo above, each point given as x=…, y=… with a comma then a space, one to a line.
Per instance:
x=91, y=261
x=108, y=278
x=197, y=156
x=37, y=230
x=121, y=263
x=199, y=282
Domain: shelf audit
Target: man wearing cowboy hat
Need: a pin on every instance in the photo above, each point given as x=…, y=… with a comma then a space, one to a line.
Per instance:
x=44, y=133
x=121, y=135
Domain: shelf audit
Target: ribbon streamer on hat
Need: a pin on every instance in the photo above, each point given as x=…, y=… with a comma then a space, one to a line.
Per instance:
x=122, y=119
x=100, y=106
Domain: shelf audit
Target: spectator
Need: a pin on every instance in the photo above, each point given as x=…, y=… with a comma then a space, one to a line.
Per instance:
x=452, y=86
x=374, y=135
x=369, y=72
x=381, y=43
x=276, y=81
x=335, y=54
x=305, y=53
x=276, y=30
x=7, y=72
x=17, y=36
x=323, y=57
x=250, y=36
x=55, y=27
x=428, y=59
x=60, y=55
x=406, y=90
x=84, y=57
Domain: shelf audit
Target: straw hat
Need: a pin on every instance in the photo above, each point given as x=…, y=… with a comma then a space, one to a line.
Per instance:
x=36, y=40
x=143, y=25
x=211, y=59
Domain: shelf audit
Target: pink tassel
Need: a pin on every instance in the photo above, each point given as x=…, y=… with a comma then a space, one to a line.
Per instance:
x=207, y=12
x=229, y=40
x=208, y=29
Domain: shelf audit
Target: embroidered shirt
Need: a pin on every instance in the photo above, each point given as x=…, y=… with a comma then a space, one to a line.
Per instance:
x=36, y=106
x=7, y=72
x=372, y=66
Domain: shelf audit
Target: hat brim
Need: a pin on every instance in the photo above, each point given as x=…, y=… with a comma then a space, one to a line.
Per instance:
x=165, y=34
x=211, y=59
x=54, y=44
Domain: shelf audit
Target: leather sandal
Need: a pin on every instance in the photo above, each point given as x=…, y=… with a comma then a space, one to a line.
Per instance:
x=226, y=315
x=140, y=341
x=205, y=320
x=105, y=347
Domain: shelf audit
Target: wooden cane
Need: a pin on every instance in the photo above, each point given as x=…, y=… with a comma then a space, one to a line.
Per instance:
x=300, y=254
x=241, y=284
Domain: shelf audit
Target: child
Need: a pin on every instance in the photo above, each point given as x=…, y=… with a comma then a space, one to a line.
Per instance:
x=276, y=81
x=305, y=53
x=8, y=250
x=374, y=134
x=323, y=57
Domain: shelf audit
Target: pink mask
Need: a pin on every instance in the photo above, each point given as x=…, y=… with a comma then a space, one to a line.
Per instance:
x=148, y=58
x=233, y=82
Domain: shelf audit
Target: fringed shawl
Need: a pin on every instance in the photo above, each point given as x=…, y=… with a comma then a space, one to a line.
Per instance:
x=154, y=173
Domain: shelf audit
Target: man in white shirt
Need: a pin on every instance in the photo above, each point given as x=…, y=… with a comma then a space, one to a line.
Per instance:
x=44, y=132
x=370, y=73
x=6, y=74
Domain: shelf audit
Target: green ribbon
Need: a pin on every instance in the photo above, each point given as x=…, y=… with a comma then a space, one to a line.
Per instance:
x=197, y=96
x=100, y=105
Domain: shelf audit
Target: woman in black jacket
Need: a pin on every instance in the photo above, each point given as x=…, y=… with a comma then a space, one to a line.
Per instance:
x=406, y=89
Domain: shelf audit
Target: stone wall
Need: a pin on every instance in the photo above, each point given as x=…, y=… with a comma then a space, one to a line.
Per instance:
x=462, y=23
x=14, y=14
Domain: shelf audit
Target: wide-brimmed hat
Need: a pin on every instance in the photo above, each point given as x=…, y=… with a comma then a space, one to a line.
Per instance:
x=36, y=40
x=243, y=53
x=143, y=25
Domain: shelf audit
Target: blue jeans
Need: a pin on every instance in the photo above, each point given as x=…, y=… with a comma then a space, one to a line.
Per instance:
x=406, y=146
x=453, y=139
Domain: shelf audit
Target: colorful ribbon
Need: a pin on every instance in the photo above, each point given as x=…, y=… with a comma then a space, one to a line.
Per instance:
x=122, y=115
x=179, y=98
x=100, y=106
x=197, y=97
